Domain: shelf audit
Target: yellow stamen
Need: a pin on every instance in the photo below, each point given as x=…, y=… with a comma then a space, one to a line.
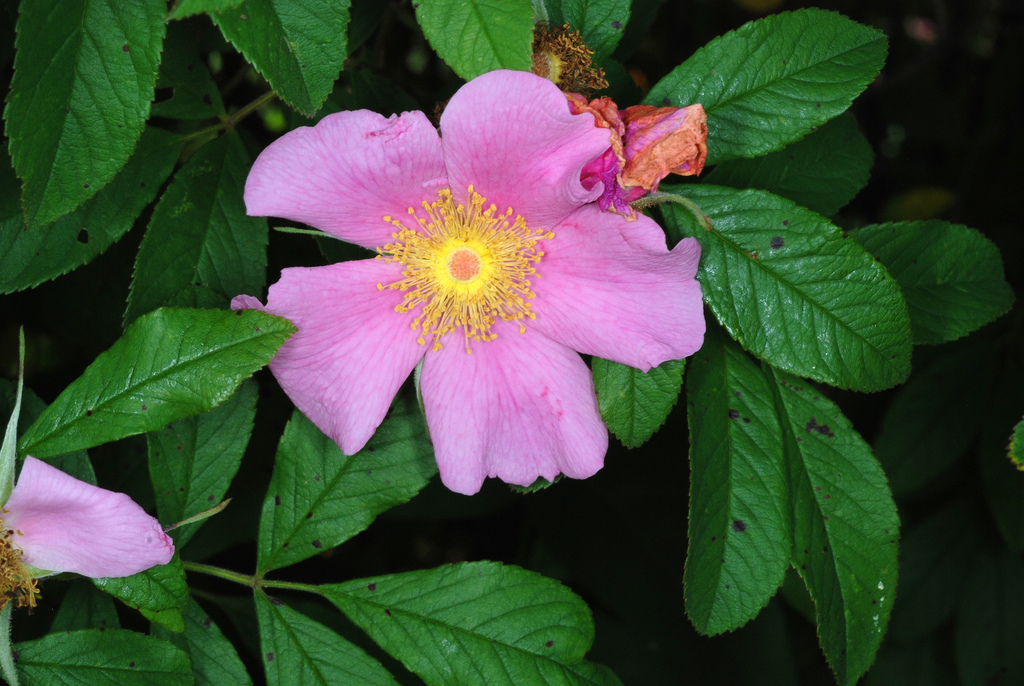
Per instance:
x=16, y=584
x=467, y=267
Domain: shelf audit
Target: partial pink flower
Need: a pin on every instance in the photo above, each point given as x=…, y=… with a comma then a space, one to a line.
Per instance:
x=646, y=144
x=493, y=263
x=55, y=523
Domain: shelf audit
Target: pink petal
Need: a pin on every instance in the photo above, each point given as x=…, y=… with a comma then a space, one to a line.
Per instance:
x=511, y=135
x=246, y=302
x=611, y=288
x=66, y=525
x=351, y=352
x=347, y=173
x=519, y=407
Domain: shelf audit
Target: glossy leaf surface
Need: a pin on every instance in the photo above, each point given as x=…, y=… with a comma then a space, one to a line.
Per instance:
x=193, y=460
x=792, y=290
x=160, y=593
x=297, y=45
x=478, y=36
x=30, y=256
x=951, y=275
x=739, y=524
x=200, y=234
x=634, y=404
x=214, y=660
x=476, y=622
x=845, y=527
x=295, y=649
x=171, y=363
x=93, y=656
x=319, y=497
x=84, y=75
x=774, y=80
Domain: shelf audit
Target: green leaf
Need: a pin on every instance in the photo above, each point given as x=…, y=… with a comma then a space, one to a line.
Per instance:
x=845, y=527
x=787, y=285
x=30, y=256
x=538, y=485
x=159, y=593
x=169, y=364
x=773, y=80
x=990, y=629
x=475, y=622
x=951, y=275
x=318, y=497
x=193, y=460
x=84, y=607
x=634, y=404
x=739, y=525
x=821, y=172
x=215, y=661
x=195, y=95
x=1015, y=450
x=297, y=45
x=935, y=417
x=200, y=234
x=8, y=450
x=76, y=464
x=83, y=80
x=297, y=650
x=600, y=22
x=478, y=36
x=114, y=657
x=187, y=8
x=935, y=558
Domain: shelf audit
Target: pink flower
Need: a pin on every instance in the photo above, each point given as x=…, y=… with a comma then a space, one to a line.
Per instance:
x=494, y=267
x=646, y=144
x=55, y=523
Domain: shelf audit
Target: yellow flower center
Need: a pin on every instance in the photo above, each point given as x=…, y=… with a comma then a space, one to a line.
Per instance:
x=466, y=266
x=16, y=584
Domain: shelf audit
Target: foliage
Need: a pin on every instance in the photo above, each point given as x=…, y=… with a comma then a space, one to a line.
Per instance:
x=129, y=131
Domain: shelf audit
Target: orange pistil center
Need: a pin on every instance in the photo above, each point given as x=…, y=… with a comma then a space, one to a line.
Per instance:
x=463, y=265
x=466, y=266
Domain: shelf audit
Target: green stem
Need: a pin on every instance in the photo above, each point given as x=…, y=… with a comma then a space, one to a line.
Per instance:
x=291, y=586
x=6, y=654
x=234, y=119
x=221, y=573
x=657, y=198
x=247, y=580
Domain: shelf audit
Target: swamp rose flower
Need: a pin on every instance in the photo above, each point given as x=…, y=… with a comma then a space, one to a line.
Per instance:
x=494, y=267
x=55, y=523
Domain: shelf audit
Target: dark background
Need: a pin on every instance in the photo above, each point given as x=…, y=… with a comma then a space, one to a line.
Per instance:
x=944, y=121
